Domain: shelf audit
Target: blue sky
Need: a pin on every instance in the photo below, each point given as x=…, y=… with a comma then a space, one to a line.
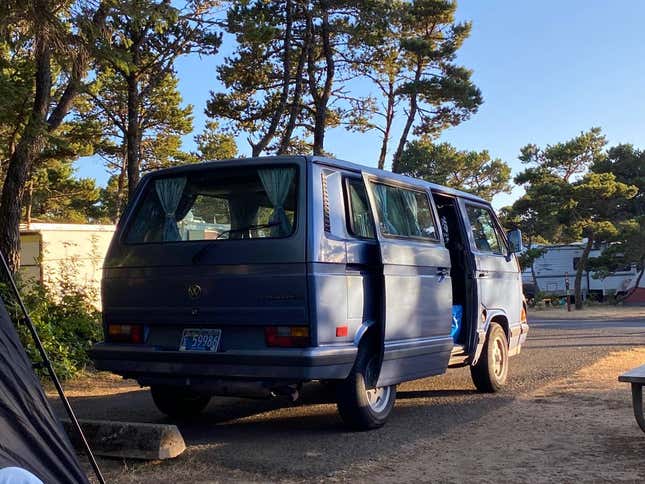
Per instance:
x=547, y=70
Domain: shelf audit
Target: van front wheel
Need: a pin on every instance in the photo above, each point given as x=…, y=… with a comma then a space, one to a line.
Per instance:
x=361, y=404
x=178, y=402
x=490, y=372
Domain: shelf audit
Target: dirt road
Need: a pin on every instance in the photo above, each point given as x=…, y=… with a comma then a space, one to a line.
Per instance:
x=563, y=417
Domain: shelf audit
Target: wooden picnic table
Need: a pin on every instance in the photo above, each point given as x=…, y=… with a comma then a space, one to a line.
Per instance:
x=636, y=377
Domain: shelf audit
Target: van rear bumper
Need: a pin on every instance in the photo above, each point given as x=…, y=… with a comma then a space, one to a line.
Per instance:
x=147, y=362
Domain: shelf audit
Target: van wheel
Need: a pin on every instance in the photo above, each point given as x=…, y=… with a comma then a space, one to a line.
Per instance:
x=361, y=405
x=490, y=372
x=178, y=402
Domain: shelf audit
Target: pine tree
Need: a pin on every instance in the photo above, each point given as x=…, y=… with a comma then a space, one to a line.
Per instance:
x=286, y=83
x=57, y=49
x=575, y=202
x=212, y=144
x=437, y=92
x=160, y=124
x=473, y=171
x=138, y=47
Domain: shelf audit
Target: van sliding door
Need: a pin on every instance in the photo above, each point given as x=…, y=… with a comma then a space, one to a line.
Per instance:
x=416, y=286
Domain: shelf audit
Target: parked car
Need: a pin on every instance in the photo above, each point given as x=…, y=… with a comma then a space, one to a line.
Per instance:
x=250, y=277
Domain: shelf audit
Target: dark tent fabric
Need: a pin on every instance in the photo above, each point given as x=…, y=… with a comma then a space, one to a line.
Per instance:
x=30, y=435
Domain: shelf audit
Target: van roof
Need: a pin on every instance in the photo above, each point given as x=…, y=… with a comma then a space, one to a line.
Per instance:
x=345, y=165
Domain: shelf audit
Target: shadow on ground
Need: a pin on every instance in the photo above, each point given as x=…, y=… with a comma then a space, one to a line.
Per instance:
x=306, y=440
x=242, y=440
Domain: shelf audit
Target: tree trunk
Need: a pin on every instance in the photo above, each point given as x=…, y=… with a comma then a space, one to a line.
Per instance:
x=582, y=264
x=412, y=114
x=120, y=190
x=321, y=97
x=533, y=274
x=31, y=143
x=12, y=195
x=132, y=136
x=389, y=117
x=295, y=107
x=319, y=132
x=261, y=145
x=534, y=277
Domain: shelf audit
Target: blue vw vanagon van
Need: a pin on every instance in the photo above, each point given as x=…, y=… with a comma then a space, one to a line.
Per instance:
x=250, y=277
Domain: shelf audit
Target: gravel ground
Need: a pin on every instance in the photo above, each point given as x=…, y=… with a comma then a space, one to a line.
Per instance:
x=594, y=312
x=562, y=417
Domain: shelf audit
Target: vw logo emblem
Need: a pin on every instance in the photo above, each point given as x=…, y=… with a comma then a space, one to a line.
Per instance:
x=194, y=291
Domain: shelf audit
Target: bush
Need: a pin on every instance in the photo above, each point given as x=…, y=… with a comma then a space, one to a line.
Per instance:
x=66, y=321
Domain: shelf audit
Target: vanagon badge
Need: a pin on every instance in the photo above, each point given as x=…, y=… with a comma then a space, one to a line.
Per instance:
x=194, y=291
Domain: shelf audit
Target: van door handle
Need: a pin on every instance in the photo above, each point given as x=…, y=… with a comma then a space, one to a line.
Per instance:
x=443, y=272
x=482, y=274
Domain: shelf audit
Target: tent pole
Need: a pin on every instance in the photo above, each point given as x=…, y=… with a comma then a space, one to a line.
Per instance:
x=50, y=369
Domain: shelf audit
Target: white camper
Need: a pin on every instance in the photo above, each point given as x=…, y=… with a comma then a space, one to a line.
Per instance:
x=51, y=253
x=559, y=260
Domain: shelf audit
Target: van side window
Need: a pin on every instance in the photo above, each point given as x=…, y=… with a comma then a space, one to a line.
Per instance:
x=484, y=232
x=404, y=213
x=360, y=218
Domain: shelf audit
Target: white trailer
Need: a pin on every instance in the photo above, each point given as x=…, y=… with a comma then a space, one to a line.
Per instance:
x=54, y=253
x=559, y=260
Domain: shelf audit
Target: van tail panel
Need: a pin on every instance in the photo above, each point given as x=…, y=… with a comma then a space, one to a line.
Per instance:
x=242, y=300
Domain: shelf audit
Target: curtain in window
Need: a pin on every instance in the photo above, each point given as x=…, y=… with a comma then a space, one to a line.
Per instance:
x=169, y=191
x=410, y=200
x=243, y=211
x=362, y=219
x=400, y=215
x=382, y=198
x=276, y=183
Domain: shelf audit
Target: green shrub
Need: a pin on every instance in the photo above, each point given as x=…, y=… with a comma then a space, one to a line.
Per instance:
x=66, y=321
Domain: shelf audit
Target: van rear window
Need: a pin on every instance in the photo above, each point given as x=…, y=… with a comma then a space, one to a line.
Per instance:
x=218, y=204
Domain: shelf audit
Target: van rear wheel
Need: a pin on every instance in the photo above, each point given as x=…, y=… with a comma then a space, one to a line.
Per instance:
x=178, y=402
x=489, y=374
x=361, y=404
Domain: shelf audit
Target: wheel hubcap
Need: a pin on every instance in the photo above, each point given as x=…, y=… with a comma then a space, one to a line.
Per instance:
x=377, y=397
x=498, y=358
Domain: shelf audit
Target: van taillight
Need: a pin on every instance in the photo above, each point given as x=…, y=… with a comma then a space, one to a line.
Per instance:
x=287, y=336
x=125, y=333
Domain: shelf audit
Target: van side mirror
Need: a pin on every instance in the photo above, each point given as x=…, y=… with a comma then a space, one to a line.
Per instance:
x=515, y=239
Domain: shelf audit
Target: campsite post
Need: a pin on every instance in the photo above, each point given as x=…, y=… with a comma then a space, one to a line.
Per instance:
x=566, y=285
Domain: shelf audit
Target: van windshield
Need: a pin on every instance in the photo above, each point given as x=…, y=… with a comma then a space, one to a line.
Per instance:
x=221, y=203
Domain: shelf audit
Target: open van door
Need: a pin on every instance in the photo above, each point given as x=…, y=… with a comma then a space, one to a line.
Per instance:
x=415, y=312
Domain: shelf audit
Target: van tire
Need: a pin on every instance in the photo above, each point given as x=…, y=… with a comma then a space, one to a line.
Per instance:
x=358, y=409
x=177, y=402
x=489, y=374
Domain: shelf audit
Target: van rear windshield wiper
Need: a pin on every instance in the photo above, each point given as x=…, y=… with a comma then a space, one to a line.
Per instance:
x=206, y=248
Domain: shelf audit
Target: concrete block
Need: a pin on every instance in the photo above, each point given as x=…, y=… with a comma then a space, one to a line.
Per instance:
x=129, y=440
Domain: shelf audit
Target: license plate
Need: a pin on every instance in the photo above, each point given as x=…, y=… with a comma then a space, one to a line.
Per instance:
x=200, y=340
